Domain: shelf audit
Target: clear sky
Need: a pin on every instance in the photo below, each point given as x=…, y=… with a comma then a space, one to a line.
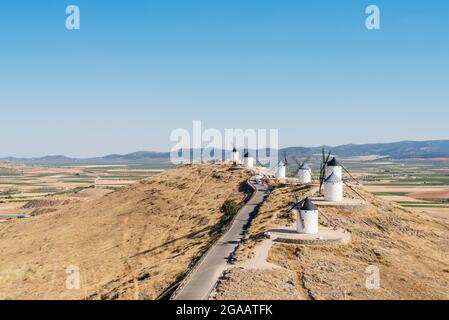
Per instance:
x=138, y=69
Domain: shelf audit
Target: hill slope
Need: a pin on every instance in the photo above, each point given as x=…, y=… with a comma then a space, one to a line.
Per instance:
x=410, y=250
x=132, y=243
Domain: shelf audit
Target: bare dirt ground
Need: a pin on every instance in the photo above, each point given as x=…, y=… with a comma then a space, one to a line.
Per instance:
x=433, y=212
x=133, y=243
x=408, y=189
x=246, y=284
x=423, y=196
x=431, y=194
x=411, y=251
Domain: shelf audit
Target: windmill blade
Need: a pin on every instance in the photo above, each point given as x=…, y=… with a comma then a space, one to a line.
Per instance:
x=322, y=173
x=292, y=207
x=299, y=213
x=321, y=185
x=296, y=202
x=350, y=187
x=323, y=162
x=285, y=158
x=328, y=156
x=296, y=197
x=299, y=203
x=307, y=160
x=297, y=161
x=299, y=165
x=323, y=168
x=352, y=177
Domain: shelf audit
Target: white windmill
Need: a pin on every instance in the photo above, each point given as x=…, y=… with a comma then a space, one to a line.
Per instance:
x=333, y=188
x=307, y=216
x=248, y=161
x=333, y=166
x=332, y=179
x=234, y=155
x=281, y=168
x=304, y=171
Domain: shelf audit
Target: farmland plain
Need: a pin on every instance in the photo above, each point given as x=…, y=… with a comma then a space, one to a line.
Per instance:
x=420, y=185
x=21, y=184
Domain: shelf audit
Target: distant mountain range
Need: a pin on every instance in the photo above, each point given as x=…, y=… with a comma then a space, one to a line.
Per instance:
x=394, y=150
x=139, y=156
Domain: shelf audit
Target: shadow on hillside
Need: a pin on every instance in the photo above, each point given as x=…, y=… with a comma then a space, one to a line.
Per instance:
x=187, y=236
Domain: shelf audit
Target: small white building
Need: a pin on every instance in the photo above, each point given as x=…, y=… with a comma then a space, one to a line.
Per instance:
x=234, y=155
x=248, y=161
x=280, y=170
x=307, y=221
x=333, y=167
x=304, y=174
x=333, y=188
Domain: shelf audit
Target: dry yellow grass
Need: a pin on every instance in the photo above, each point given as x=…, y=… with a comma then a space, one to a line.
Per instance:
x=244, y=284
x=411, y=251
x=129, y=244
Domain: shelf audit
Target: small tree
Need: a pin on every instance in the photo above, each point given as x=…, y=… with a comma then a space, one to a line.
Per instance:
x=228, y=209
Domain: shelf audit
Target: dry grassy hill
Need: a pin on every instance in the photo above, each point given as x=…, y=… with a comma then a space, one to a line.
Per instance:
x=130, y=244
x=411, y=251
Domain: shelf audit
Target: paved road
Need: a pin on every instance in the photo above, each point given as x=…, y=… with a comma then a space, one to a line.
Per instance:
x=203, y=279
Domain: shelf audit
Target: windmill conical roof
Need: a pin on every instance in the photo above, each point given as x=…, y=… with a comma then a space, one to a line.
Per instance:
x=234, y=149
x=333, y=178
x=333, y=163
x=246, y=155
x=308, y=205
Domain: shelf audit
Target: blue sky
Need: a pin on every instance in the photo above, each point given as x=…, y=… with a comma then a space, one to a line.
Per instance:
x=139, y=69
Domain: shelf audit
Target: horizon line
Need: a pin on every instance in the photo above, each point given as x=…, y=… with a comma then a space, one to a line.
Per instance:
x=165, y=152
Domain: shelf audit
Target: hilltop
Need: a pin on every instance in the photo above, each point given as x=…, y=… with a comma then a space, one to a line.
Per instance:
x=134, y=243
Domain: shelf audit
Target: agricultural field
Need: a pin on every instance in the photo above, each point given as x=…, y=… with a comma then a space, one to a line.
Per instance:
x=20, y=184
x=420, y=185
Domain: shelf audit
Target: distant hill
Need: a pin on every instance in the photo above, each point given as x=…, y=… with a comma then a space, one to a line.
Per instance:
x=394, y=150
x=139, y=156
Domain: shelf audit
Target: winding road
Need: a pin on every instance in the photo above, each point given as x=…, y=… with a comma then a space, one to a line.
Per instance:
x=202, y=280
